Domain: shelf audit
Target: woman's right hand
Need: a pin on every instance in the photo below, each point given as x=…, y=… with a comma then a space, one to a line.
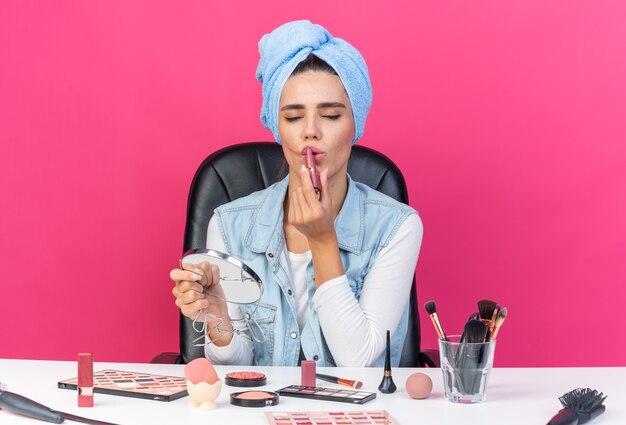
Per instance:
x=190, y=284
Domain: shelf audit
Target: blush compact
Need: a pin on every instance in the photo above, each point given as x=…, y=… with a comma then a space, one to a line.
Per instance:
x=245, y=379
x=254, y=399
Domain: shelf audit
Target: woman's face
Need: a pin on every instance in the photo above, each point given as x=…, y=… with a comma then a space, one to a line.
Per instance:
x=315, y=112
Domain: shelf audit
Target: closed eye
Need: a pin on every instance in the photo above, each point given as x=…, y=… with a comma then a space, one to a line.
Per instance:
x=292, y=119
x=331, y=117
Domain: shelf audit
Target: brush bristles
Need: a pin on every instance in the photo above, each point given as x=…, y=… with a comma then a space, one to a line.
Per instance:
x=498, y=323
x=474, y=331
x=3, y=387
x=430, y=307
x=501, y=316
x=582, y=399
x=486, y=308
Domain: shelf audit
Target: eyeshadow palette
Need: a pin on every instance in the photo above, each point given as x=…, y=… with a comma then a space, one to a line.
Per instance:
x=329, y=394
x=376, y=417
x=134, y=384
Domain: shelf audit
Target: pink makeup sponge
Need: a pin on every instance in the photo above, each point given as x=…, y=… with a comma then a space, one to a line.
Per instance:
x=201, y=370
x=419, y=385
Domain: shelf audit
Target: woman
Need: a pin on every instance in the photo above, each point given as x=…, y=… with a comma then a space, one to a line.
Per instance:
x=337, y=267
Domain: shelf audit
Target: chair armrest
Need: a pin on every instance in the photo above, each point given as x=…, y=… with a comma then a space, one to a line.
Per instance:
x=429, y=358
x=167, y=358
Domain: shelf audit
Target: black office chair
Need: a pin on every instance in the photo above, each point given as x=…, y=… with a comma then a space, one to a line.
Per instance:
x=239, y=170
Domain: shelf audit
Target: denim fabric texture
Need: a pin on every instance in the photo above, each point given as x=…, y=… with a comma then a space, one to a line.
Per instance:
x=252, y=230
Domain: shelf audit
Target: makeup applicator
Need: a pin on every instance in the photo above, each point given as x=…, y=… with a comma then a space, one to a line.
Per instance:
x=203, y=384
x=386, y=385
x=469, y=355
x=431, y=309
x=311, y=166
x=486, y=311
x=497, y=323
x=579, y=406
x=341, y=381
x=474, y=316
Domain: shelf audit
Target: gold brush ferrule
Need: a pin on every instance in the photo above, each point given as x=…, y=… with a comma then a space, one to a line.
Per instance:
x=492, y=324
x=440, y=333
x=496, y=328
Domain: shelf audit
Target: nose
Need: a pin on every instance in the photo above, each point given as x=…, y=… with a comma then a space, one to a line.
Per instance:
x=312, y=130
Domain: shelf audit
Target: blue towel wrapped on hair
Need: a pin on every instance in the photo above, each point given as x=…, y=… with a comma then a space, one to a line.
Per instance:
x=288, y=45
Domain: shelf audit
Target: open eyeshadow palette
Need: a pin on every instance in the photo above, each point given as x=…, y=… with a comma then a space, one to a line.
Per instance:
x=133, y=384
x=376, y=417
x=329, y=394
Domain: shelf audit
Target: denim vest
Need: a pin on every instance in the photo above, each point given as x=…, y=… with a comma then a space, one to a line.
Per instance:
x=252, y=230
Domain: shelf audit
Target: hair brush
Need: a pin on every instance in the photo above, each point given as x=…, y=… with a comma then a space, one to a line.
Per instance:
x=21, y=405
x=579, y=406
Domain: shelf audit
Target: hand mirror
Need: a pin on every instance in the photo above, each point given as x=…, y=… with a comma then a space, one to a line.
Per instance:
x=240, y=283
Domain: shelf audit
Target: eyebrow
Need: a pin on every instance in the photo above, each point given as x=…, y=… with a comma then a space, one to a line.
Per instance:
x=319, y=106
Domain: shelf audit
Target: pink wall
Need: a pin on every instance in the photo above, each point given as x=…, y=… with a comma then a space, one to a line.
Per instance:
x=508, y=119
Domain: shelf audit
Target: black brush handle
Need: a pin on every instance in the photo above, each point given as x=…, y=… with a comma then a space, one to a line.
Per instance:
x=474, y=316
x=483, y=356
x=24, y=406
x=460, y=362
x=461, y=365
x=75, y=418
x=472, y=372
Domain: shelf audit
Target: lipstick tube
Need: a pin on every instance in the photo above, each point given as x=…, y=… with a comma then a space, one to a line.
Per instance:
x=307, y=368
x=311, y=165
x=85, y=380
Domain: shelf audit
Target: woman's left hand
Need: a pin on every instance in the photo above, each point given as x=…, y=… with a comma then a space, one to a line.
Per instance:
x=309, y=214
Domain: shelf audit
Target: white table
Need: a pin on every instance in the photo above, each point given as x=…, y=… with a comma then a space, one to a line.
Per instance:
x=514, y=396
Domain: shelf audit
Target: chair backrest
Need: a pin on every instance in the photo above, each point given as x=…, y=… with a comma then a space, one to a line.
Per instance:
x=239, y=170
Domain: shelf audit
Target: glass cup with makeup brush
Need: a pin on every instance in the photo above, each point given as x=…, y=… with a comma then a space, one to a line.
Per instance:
x=465, y=367
x=467, y=359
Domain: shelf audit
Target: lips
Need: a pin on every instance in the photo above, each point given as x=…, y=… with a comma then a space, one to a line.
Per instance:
x=313, y=149
x=317, y=154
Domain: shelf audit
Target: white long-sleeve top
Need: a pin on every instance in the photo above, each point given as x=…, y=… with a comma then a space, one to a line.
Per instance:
x=355, y=330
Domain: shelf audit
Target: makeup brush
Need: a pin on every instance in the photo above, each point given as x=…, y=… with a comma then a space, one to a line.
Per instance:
x=469, y=355
x=475, y=331
x=340, y=381
x=24, y=406
x=486, y=309
x=497, y=323
x=386, y=385
x=431, y=309
x=474, y=316
x=493, y=319
x=579, y=406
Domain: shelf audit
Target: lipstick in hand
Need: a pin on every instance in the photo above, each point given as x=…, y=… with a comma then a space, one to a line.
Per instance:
x=311, y=165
